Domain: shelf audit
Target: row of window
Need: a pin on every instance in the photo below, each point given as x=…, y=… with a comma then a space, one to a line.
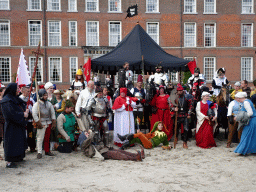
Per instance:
x=152, y=6
x=55, y=68
x=190, y=37
x=54, y=33
x=115, y=33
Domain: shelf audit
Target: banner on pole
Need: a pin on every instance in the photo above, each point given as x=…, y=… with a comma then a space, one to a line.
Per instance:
x=23, y=77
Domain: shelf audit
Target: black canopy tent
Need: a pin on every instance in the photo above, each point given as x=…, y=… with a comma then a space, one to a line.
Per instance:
x=138, y=48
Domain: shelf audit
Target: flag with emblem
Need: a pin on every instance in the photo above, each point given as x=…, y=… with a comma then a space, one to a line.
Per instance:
x=87, y=69
x=132, y=11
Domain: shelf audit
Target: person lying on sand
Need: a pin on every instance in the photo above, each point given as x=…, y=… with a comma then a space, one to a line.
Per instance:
x=149, y=140
x=109, y=152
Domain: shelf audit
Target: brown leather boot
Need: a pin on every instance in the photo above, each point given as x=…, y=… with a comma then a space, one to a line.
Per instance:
x=185, y=146
x=138, y=156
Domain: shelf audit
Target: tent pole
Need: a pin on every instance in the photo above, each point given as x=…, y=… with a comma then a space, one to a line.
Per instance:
x=143, y=68
x=180, y=76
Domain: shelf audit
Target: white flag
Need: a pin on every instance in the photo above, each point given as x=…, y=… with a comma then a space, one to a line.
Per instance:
x=23, y=76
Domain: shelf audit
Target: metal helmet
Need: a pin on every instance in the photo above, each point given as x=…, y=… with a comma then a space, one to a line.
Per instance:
x=41, y=93
x=138, y=95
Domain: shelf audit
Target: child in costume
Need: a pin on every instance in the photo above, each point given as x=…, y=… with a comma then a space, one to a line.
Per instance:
x=149, y=140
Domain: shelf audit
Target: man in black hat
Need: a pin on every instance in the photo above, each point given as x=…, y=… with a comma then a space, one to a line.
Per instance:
x=196, y=79
x=159, y=78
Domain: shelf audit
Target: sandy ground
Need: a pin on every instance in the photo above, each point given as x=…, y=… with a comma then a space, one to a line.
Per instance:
x=195, y=169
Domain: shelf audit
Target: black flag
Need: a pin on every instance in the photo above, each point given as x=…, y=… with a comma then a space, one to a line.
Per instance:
x=132, y=11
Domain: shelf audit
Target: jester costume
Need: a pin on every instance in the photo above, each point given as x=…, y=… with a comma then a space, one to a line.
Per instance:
x=149, y=140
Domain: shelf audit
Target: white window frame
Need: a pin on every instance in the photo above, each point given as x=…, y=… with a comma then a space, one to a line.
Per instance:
x=10, y=70
x=49, y=34
x=247, y=6
x=214, y=43
x=109, y=35
x=195, y=12
x=9, y=27
x=156, y=11
x=41, y=42
x=210, y=12
x=31, y=71
x=97, y=8
x=195, y=40
x=251, y=75
x=69, y=23
x=98, y=32
x=210, y=80
x=8, y=8
x=69, y=10
x=118, y=11
x=48, y=6
x=30, y=9
x=70, y=73
x=251, y=45
x=49, y=58
x=158, y=29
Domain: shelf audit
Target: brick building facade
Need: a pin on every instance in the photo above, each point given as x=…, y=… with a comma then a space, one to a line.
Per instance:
x=218, y=33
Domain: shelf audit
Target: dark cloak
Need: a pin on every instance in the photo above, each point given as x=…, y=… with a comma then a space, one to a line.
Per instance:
x=15, y=142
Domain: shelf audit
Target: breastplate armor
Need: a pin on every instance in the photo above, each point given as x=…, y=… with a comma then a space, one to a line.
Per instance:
x=100, y=108
x=45, y=113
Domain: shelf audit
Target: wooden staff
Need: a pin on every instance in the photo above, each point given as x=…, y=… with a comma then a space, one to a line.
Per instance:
x=175, y=130
x=37, y=53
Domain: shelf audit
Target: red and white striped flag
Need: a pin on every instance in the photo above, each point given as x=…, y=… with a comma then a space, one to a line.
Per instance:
x=23, y=77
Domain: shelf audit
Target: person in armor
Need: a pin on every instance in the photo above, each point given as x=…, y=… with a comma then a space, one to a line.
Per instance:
x=196, y=79
x=182, y=105
x=140, y=94
x=44, y=122
x=98, y=112
x=78, y=83
x=159, y=78
x=219, y=81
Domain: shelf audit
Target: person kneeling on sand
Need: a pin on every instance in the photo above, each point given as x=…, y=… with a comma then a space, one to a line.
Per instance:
x=108, y=152
x=149, y=140
x=66, y=127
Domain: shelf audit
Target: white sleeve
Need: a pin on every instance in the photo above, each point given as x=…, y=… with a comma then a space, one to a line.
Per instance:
x=78, y=104
x=230, y=108
x=248, y=108
x=35, y=112
x=198, y=112
x=121, y=109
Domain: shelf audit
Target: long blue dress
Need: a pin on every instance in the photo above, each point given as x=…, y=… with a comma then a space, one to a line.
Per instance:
x=248, y=138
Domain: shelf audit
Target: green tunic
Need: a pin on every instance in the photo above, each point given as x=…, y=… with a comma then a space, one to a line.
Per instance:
x=69, y=127
x=160, y=137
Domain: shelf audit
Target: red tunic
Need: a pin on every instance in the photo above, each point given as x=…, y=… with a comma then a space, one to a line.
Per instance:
x=161, y=102
x=204, y=136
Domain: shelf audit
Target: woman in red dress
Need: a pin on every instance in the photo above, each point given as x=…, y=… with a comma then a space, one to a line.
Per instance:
x=205, y=124
x=161, y=105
